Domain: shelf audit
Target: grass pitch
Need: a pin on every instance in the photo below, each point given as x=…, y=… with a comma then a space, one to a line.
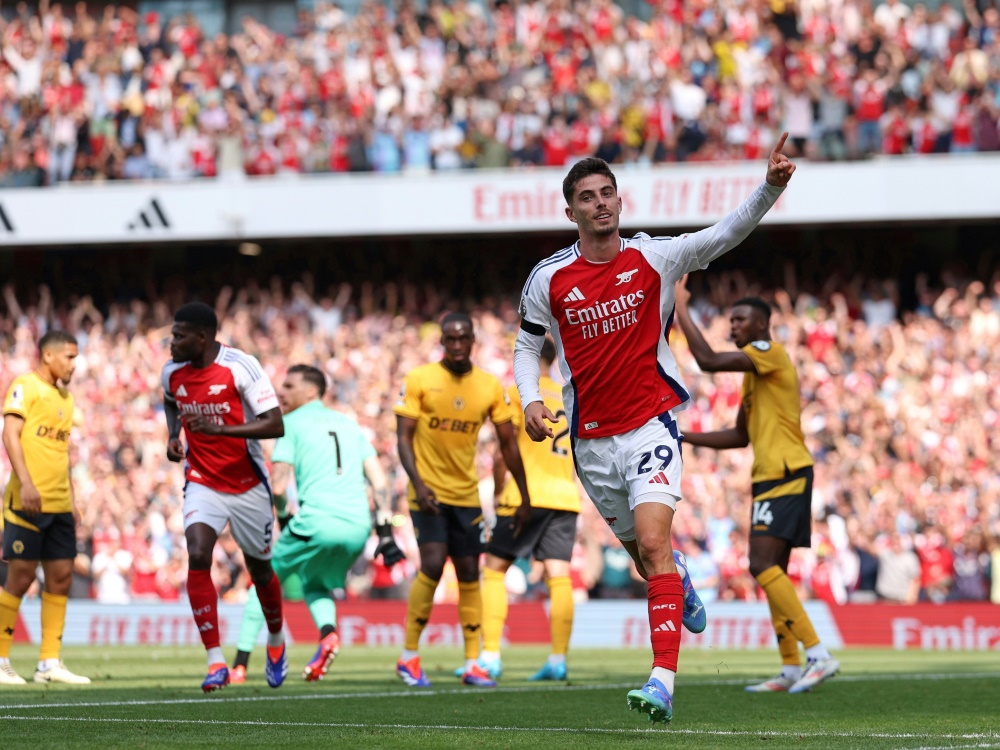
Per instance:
x=151, y=697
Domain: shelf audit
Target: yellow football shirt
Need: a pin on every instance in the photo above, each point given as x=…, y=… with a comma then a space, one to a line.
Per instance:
x=47, y=411
x=449, y=410
x=548, y=465
x=770, y=397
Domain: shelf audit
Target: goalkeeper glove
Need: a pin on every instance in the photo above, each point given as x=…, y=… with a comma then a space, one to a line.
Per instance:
x=391, y=553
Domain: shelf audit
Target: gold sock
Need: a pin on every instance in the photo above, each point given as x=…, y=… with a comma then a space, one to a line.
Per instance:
x=788, y=647
x=494, y=609
x=418, y=612
x=784, y=601
x=560, y=613
x=470, y=614
x=9, y=604
x=53, y=622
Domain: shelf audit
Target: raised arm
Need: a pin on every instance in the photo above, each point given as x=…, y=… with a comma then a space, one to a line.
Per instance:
x=707, y=358
x=698, y=249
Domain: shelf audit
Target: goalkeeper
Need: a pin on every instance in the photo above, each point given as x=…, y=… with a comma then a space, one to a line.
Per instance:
x=331, y=458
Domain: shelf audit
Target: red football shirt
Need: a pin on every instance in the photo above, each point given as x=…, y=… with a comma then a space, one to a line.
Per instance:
x=232, y=390
x=611, y=321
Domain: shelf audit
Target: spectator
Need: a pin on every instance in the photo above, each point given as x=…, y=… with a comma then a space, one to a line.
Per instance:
x=936, y=568
x=137, y=166
x=869, y=105
x=864, y=590
x=972, y=567
x=110, y=568
x=702, y=569
x=898, y=571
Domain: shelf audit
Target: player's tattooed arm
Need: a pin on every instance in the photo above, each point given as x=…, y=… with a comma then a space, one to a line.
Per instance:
x=280, y=474
x=383, y=506
x=375, y=474
x=387, y=547
x=175, y=449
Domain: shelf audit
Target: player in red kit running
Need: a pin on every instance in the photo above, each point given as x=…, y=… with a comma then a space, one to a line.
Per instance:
x=226, y=404
x=609, y=303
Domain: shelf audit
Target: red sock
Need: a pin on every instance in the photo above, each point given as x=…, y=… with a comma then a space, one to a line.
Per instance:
x=666, y=606
x=270, y=604
x=204, y=605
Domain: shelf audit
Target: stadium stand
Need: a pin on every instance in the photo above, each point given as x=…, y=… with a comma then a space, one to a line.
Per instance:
x=127, y=96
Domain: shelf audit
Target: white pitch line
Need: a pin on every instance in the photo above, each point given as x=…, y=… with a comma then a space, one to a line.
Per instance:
x=333, y=725
x=561, y=730
x=693, y=682
x=322, y=696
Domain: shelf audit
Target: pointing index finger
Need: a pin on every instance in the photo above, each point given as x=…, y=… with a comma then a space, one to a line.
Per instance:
x=781, y=144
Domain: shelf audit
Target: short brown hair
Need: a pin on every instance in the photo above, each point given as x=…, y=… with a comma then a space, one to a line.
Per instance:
x=585, y=168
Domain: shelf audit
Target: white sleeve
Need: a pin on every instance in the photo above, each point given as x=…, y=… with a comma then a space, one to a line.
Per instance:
x=165, y=373
x=675, y=256
x=254, y=385
x=527, y=370
x=535, y=310
x=536, y=319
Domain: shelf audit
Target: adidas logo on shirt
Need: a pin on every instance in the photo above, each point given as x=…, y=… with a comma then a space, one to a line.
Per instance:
x=575, y=295
x=182, y=391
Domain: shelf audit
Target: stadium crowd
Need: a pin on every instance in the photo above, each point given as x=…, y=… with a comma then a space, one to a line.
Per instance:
x=511, y=83
x=900, y=411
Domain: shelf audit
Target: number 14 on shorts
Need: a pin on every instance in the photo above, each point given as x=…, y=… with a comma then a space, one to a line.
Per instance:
x=762, y=515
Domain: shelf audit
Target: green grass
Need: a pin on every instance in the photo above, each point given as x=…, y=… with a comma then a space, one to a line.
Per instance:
x=151, y=697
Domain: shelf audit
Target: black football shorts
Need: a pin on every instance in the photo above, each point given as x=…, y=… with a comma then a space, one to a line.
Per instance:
x=782, y=508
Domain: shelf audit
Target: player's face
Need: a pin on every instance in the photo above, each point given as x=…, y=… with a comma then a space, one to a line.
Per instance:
x=745, y=325
x=61, y=360
x=596, y=206
x=457, y=340
x=187, y=342
x=294, y=392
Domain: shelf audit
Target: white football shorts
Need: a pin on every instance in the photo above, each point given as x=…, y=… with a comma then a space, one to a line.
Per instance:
x=639, y=466
x=248, y=514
